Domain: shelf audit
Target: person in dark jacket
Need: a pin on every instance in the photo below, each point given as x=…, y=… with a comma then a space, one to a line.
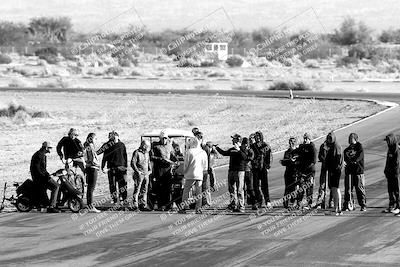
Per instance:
x=42, y=178
x=307, y=159
x=321, y=201
x=289, y=161
x=392, y=173
x=236, y=171
x=260, y=166
x=163, y=160
x=117, y=163
x=248, y=175
x=70, y=147
x=334, y=162
x=354, y=174
x=107, y=144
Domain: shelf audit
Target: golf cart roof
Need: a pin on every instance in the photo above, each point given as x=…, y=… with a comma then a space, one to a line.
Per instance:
x=169, y=132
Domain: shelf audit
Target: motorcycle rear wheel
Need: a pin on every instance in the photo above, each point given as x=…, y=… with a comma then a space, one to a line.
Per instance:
x=22, y=204
x=75, y=204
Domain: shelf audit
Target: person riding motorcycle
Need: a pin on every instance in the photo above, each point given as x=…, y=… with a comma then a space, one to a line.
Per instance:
x=42, y=178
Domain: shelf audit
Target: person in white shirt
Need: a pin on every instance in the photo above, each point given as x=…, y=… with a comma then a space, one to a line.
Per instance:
x=195, y=166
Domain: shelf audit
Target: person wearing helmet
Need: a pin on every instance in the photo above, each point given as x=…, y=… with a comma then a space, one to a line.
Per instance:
x=42, y=178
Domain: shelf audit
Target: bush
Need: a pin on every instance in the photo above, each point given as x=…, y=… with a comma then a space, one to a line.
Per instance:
x=216, y=74
x=189, y=62
x=115, y=71
x=123, y=62
x=49, y=54
x=135, y=73
x=286, y=86
x=4, y=59
x=346, y=61
x=235, y=61
x=311, y=63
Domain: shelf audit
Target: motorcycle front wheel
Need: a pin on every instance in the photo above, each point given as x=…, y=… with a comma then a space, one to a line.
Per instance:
x=22, y=204
x=75, y=204
x=79, y=183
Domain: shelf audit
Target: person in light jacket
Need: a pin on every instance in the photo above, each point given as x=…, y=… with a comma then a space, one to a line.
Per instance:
x=194, y=167
x=92, y=169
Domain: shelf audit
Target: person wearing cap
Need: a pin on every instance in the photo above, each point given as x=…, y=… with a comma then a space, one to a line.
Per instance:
x=260, y=166
x=248, y=156
x=307, y=159
x=391, y=172
x=354, y=174
x=141, y=166
x=42, y=178
x=163, y=159
x=289, y=160
x=70, y=147
x=117, y=163
x=236, y=173
x=334, y=162
x=194, y=168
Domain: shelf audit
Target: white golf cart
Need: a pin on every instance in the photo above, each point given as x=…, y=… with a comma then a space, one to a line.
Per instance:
x=178, y=138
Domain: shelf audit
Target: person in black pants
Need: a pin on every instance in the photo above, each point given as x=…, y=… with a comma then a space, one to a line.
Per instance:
x=354, y=174
x=117, y=164
x=42, y=178
x=92, y=169
x=334, y=162
x=392, y=173
x=248, y=156
x=307, y=159
x=163, y=159
x=260, y=166
x=289, y=161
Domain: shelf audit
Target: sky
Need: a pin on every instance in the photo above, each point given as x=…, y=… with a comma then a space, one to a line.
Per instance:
x=316, y=15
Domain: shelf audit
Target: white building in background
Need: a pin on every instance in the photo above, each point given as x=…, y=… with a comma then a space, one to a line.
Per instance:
x=220, y=49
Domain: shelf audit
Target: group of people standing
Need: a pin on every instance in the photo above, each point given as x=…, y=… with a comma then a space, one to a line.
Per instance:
x=250, y=159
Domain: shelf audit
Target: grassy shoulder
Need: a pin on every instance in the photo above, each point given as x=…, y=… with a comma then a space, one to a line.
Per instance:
x=133, y=114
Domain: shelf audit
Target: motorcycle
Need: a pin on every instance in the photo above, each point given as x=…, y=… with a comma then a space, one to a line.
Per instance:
x=30, y=196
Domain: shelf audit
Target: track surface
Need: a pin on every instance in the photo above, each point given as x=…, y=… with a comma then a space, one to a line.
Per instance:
x=157, y=239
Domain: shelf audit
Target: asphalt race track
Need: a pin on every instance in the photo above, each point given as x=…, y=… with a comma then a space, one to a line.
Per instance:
x=273, y=238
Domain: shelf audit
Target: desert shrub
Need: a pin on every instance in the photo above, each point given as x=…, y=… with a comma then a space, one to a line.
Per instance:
x=4, y=59
x=216, y=74
x=124, y=62
x=209, y=63
x=48, y=53
x=351, y=32
x=235, y=61
x=18, y=83
x=135, y=73
x=189, y=62
x=75, y=70
x=286, y=86
x=11, y=110
x=311, y=63
x=243, y=87
x=346, y=61
x=115, y=71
